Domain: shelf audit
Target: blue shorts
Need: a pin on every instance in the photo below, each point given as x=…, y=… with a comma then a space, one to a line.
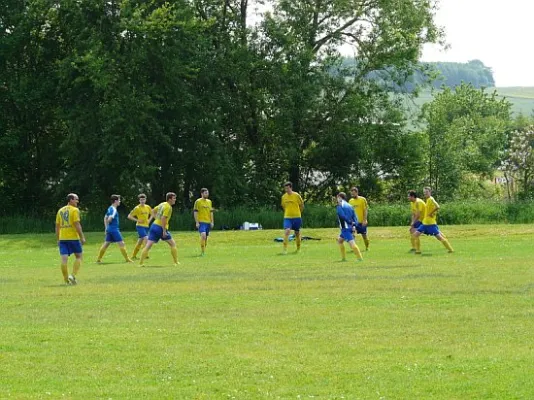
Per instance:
x=346, y=234
x=142, y=231
x=204, y=227
x=113, y=237
x=431, y=230
x=361, y=230
x=293, y=223
x=68, y=247
x=417, y=224
x=156, y=233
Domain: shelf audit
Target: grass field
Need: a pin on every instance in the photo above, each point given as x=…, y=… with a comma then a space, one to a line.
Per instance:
x=247, y=323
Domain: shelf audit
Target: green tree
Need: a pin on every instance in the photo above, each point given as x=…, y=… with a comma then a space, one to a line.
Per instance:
x=467, y=131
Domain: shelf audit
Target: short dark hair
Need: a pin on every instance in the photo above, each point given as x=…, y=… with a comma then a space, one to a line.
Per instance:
x=170, y=195
x=203, y=190
x=412, y=193
x=354, y=188
x=115, y=197
x=142, y=196
x=288, y=184
x=342, y=195
x=71, y=196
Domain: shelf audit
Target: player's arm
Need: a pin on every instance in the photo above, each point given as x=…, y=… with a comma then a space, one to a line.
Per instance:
x=78, y=228
x=132, y=216
x=164, y=225
x=365, y=212
x=212, y=218
x=57, y=231
x=106, y=223
x=415, y=216
x=436, y=208
x=301, y=204
x=195, y=214
x=150, y=216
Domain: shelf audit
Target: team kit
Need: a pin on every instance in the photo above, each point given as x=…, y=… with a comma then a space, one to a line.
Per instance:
x=152, y=225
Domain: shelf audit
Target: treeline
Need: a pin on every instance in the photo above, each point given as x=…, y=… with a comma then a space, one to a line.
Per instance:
x=133, y=96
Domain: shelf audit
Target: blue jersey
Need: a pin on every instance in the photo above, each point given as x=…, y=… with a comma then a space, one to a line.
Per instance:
x=113, y=225
x=346, y=216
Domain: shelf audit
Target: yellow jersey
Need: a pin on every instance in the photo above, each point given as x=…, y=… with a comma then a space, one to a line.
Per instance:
x=162, y=210
x=203, y=208
x=66, y=218
x=418, y=205
x=431, y=205
x=291, y=204
x=360, y=206
x=142, y=213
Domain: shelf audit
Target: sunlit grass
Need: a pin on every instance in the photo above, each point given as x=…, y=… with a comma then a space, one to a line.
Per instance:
x=245, y=322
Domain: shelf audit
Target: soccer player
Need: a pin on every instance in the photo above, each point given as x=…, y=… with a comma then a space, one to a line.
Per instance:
x=203, y=214
x=429, y=226
x=160, y=228
x=347, y=223
x=361, y=209
x=113, y=234
x=70, y=237
x=418, y=208
x=293, y=206
x=141, y=215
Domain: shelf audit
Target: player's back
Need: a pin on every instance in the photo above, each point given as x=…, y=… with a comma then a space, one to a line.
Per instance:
x=346, y=215
x=66, y=218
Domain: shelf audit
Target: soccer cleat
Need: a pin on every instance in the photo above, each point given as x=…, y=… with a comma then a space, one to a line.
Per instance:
x=411, y=251
x=99, y=261
x=72, y=280
x=176, y=264
x=359, y=259
x=417, y=252
x=451, y=251
x=129, y=261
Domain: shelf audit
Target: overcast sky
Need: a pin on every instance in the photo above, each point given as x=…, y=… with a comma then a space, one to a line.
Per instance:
x=499, y=33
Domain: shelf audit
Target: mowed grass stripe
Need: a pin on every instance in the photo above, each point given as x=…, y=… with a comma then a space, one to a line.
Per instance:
x=245, y=322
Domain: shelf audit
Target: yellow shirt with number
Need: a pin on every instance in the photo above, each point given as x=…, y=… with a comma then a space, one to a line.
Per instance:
x=291, y=204
x=360, y=206
x=203, y=208
x=431, y=205
x=162, y=210
x=418, y=205
x=66, y=218
x=142, y=213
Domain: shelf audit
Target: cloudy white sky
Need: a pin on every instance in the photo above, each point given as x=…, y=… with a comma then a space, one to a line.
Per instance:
x=499, y=33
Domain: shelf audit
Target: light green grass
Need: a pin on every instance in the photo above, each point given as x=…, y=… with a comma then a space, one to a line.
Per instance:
x=522, y=99
x=247, y=323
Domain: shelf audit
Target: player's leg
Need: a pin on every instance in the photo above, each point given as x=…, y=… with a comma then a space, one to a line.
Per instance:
x=444, y=242
x=122, y=248
x=103, y=249
x=296, y=226
x=356, y=249
x=64, y=267
x=341, y=244
x=417, y=241
x=144, y=253
x=412, y=239
x=142, y=234
x=287, y=231
x=174, y=251
x=76, y=267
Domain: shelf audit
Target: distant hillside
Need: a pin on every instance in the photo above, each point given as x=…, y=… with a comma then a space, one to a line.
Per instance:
x=450, y=74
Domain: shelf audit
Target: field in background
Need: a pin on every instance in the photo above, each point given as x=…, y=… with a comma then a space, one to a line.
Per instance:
x=247, y=323
x=522, y=98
